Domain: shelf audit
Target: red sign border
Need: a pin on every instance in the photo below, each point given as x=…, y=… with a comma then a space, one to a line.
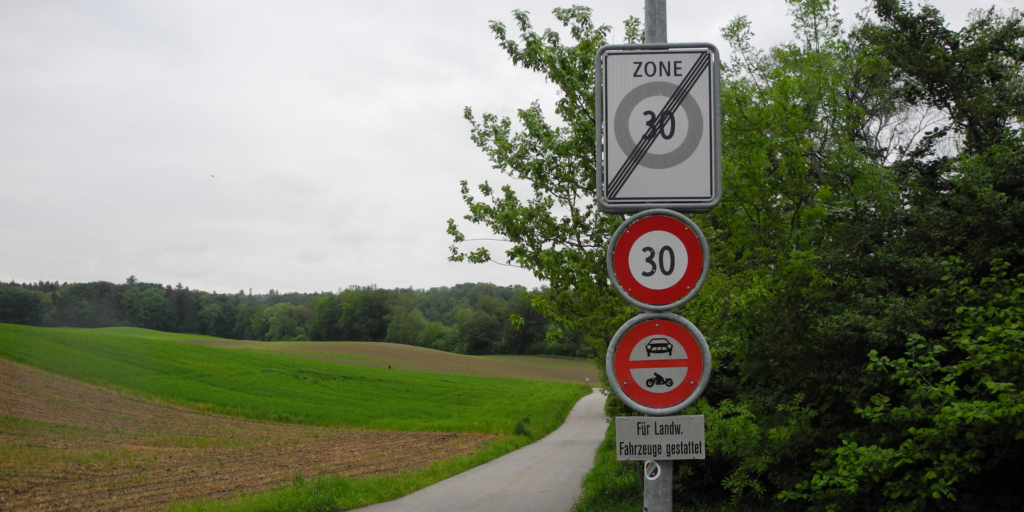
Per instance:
x=613, y=348
x=610, y=254
x=693, y=354
x=694, y=255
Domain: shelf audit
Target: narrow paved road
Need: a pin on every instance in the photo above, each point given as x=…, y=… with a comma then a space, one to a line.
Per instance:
x=545, y=476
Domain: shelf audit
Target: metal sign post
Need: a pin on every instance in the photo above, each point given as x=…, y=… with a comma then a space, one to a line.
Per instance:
x=658, y=152
x=658, y=363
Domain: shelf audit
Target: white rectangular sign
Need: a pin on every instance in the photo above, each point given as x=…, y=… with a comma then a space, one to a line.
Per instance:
x=658, y=127
x=659, y=438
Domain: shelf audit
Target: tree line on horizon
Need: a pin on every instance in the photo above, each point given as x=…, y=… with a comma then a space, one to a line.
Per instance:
x=468, y=318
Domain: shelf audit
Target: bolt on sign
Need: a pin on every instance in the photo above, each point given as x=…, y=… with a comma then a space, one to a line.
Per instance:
x=659, y=130
x=658, y=363
x=658, y=260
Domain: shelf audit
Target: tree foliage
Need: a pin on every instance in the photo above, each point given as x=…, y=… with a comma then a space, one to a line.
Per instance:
x=21, y=306
x=956, y=411
x=470, y=318
x=557, y=233
x=870, y=178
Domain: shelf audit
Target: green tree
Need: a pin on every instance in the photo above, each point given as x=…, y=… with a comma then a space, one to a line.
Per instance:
x=326, y=314
x=21, y=306
x=365, y=315
x=185, y=307
x=956, y=413
x=91, y=305
x=154, y=310
x=256, y=325
x=843, y=177
x=945, y=429
x=216, y=317
x=407, y=324
x=557, y=233
x=75, y=311
x=973, y=75
x=283, y=323
x=478, y=330
x=524, y=326
x=433, y=336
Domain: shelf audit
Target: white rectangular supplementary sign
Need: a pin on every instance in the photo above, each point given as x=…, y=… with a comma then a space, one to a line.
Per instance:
x=658, y=133
x=659, y=438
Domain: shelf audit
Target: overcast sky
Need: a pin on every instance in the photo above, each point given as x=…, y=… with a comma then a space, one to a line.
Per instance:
x=295, y=145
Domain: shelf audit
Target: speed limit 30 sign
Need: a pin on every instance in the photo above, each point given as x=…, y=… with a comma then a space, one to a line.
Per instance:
x=658, y=139
x=658, y=259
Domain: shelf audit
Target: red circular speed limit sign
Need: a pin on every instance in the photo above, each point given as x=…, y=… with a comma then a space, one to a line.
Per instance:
x=658, y=259
x=658, y=363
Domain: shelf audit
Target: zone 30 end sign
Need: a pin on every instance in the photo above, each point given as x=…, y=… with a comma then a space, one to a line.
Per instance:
x=658, y=122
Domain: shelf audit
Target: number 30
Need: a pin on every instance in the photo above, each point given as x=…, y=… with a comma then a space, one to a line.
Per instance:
x=665, y=269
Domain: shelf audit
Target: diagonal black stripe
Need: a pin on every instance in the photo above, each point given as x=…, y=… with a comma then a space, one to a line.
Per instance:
x=649, y=137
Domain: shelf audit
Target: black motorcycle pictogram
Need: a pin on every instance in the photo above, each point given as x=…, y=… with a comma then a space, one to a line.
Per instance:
x=659, y=380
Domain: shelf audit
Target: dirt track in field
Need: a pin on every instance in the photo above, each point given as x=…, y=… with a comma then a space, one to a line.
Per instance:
x=69, y=445
x=407, y=357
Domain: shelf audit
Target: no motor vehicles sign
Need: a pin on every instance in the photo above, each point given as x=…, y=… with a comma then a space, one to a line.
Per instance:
x=658, y=363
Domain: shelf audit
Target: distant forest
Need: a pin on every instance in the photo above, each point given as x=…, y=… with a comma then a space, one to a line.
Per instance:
x=467, y=318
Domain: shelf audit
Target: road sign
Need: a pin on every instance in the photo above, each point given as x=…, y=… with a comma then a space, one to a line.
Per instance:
x=658, y=121
x=658, y=260
x=652, y=470
x=658, y=363
x=670, y=438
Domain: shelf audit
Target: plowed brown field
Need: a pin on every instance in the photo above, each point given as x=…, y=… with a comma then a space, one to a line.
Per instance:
x=407, y=357
x=69, y=445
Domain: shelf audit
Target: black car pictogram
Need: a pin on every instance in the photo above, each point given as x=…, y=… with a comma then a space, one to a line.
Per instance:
x=659, y=346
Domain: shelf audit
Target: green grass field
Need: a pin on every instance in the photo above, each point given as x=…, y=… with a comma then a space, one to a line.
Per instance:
x=277, y=388
x=400, y=357
x=408, y=357
x=139, y=332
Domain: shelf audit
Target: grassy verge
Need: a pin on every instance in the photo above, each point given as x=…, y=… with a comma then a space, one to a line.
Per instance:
x=614, y=486
x=327, y=493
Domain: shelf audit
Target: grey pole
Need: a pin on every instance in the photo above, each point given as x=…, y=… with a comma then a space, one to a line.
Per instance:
x=657, y=493
x=655, y=24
